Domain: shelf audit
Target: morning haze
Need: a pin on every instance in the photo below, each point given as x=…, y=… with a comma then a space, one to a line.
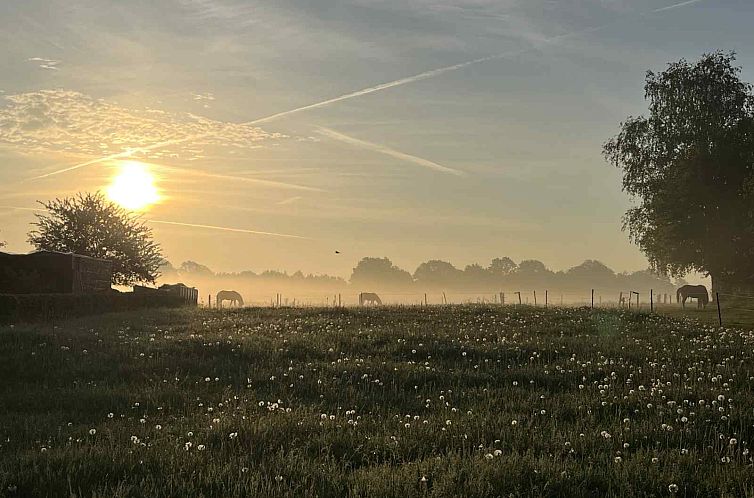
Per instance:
x=496, y=154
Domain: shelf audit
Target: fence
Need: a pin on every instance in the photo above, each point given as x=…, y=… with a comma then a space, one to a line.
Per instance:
x=545, y=297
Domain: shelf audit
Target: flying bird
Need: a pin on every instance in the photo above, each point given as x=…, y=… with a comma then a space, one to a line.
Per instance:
x=337, y=252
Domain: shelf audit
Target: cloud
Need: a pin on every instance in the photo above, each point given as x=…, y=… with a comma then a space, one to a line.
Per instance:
x=68, y=121
x=382, y=149
x=49, y=64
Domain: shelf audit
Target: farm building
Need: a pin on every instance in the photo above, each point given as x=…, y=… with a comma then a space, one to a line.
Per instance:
x=47, y=272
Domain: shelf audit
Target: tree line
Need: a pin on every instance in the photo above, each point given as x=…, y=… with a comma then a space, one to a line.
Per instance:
x=501, y=274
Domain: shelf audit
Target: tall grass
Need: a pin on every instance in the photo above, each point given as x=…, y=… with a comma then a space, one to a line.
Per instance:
x=396, y=401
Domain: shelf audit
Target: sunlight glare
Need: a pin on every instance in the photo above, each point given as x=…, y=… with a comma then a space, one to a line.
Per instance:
x=133, y=188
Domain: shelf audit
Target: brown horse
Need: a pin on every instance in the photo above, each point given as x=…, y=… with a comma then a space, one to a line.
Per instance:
x=232, y=296
x=370, y=298
x=693, y=291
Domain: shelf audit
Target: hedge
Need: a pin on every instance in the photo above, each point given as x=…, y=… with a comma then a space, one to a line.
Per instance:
x=17, y=308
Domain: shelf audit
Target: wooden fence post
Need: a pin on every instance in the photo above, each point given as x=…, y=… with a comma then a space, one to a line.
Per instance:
x=592, y=298
x=519, y=297
x=535, y=298
x=651, y=301
x=502, y=298
x=719, y=313
x=545, y=298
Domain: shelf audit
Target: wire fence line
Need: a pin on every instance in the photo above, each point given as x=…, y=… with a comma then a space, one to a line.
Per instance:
x=735, y=307
x=591, y=297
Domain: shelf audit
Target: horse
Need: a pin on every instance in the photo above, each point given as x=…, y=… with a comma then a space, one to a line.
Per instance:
x=369, y=298
x=232, y=296
x=693, y=291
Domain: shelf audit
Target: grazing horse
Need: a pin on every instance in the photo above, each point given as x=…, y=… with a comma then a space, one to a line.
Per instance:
x=232, y=296
x=369, y=298
x=693, y=291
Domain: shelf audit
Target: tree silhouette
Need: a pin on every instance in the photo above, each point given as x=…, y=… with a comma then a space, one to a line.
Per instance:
x=502, y=266
x=90, y=225
x=690, y=164
x=379, y=272
x=437, y=273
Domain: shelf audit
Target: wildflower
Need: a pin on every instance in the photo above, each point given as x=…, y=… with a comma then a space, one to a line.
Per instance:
x=673, y=488
x=92, y=432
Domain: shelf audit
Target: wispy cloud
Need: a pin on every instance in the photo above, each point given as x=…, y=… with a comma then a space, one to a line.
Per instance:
x=382, y=149
x=71, y=122
x=216, y=133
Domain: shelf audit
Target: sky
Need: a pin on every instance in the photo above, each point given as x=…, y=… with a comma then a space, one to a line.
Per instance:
x=279, y=132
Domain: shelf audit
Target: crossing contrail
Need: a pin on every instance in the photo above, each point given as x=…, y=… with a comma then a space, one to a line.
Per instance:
x=420, y=161
x=366, y=91
x=227, y=229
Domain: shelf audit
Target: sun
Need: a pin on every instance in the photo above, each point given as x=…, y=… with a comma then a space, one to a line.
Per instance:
x=133, y=187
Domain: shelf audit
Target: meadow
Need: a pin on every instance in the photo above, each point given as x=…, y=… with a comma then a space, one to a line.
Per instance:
x=395, y=401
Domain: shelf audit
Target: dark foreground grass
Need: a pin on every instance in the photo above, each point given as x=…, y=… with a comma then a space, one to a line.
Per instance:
x=445, y=401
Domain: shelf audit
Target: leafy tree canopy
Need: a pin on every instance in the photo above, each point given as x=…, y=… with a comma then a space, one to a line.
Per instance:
x=90, y=225
x=690, y=165
x=380, y=271
x=502, y=266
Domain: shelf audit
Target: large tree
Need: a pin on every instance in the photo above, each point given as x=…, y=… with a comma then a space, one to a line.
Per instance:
x=380, y=273
x=690, y=166
x=90, y=225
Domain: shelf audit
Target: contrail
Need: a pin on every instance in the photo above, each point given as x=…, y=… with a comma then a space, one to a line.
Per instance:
x=366, y=91
x=191, y=225
x=389, y=152
x=18, y=208
x=677, y=5
x=227, y=229
x=244, y=179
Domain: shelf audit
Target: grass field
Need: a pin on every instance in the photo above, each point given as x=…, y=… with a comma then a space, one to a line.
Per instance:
x=442, y=401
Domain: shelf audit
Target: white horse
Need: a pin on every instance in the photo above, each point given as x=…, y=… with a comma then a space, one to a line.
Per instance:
x=232, y=296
